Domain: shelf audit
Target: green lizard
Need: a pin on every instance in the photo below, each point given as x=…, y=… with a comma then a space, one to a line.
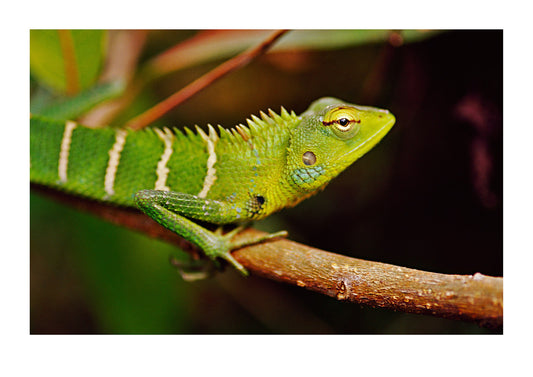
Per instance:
x=233, y=176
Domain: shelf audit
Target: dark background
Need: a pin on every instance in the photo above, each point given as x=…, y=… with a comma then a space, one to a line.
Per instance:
x=429, y=197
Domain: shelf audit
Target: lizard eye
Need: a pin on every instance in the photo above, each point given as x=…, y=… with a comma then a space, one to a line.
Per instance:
x=343, y=120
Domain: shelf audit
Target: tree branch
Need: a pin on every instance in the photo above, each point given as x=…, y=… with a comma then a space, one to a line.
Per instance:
x=475, y=298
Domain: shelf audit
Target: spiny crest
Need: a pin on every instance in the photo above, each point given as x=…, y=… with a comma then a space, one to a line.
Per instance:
x=257, y=128
x=243, y=131
x=240, y=135
x=186, y=137
x=262, y=127
x=213, y=136
x=259, y=125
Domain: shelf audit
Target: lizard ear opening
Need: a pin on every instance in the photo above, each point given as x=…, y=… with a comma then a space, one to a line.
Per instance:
x=309, y=158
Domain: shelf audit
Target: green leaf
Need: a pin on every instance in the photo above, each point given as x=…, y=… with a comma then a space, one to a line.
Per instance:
x=66, y=61
x=211, y=45
x=72, y=108
x=334, y=39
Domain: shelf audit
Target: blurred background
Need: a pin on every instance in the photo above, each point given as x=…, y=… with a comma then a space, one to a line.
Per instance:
x=428, y=197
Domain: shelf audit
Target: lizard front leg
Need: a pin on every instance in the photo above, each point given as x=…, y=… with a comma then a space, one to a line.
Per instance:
x=173, y=210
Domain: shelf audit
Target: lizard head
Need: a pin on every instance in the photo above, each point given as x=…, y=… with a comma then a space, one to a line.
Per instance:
x=331, y=135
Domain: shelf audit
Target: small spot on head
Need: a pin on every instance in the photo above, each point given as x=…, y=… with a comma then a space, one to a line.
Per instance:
x=309, y=158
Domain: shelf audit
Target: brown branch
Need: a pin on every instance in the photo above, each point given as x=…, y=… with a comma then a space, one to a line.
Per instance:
x=202, y=82
x=475, y=298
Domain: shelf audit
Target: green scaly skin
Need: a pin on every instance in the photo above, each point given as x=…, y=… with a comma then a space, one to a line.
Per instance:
x=233, y=176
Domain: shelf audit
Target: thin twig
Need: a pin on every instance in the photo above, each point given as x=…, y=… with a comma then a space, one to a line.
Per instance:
x=475, y=298
x=202, y=82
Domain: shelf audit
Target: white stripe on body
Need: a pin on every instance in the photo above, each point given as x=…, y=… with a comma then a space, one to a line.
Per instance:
x=162, y=171
x=114, y=159
x=211, y=175
x=64, y=152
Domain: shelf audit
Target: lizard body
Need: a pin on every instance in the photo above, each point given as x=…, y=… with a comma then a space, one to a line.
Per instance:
x=230, y=176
